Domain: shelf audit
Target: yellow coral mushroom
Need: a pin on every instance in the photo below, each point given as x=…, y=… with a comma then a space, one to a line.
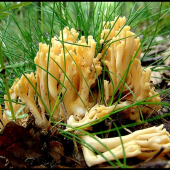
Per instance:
x=95, y=112
x=73, y=67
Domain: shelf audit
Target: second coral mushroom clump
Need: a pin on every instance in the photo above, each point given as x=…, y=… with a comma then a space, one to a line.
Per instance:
x=123, y=49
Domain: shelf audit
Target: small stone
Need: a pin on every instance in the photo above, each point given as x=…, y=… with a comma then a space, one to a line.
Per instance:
x=167, y=43
x=159, y=38
x=165, y=54
x=165, y=110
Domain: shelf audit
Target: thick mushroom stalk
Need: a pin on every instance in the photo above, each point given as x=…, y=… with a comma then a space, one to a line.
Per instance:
x=26, y=92
x=141, y=143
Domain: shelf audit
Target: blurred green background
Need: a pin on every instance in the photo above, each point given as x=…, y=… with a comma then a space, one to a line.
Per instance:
x=88, y=8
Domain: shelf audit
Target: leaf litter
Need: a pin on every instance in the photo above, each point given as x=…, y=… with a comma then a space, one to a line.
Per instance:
x=29, y=147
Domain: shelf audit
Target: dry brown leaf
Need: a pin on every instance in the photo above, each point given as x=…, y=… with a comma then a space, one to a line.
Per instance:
x=56, y=151
x=17, y=144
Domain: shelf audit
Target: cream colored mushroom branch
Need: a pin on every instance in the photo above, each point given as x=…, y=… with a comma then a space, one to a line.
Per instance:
x=143, y=144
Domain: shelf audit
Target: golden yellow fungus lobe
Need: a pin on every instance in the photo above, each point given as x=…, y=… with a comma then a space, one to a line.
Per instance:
x=24, y=89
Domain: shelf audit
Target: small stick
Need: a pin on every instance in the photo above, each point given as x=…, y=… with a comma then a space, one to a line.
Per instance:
x=63, y=107
x=165, y=120
x=1, y=122
x=64, y=110
x=128, y=130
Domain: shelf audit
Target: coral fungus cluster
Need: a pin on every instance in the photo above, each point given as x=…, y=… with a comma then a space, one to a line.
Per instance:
x=70, y=70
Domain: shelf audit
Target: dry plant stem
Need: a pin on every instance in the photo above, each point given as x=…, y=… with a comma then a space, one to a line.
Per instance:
x=154, y=156
x=64, y=110
x=1, y=119
x=110, y=126
x=128, y=130
x=76, y=151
